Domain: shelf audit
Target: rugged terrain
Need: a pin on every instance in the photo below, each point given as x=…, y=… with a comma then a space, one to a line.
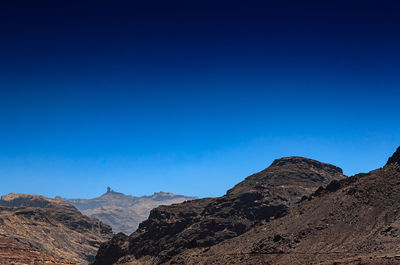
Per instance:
x=124, y=212
x=356, y=221
x=51, y=226
x=16, y=253
x=172, y=231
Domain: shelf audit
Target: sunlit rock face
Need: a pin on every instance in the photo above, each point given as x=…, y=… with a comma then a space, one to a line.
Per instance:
x=52, y=226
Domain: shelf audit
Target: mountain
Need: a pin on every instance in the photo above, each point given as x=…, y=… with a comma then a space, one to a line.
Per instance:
x=124, y=212
x=395, y=158
x=198, y=224
x=51, y=226
x=356, y=221
x=16, y=253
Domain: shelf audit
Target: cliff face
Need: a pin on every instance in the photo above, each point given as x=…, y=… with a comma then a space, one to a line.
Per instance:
x=124, y=212
x=51, y=226
x=171, y=230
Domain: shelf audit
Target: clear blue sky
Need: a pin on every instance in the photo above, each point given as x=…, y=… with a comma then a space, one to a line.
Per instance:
x=191, y=97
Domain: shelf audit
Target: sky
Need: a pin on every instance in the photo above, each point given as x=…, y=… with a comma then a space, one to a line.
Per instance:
x=191, y=97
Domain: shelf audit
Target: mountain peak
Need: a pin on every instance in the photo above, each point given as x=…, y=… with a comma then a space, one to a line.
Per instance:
x=165, y=194
x=261, y=197
x=395, y=158
x=111, y=192
x=124, y=212
x=302, y=161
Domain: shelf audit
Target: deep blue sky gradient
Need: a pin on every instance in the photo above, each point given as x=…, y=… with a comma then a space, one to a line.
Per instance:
x=191, y=96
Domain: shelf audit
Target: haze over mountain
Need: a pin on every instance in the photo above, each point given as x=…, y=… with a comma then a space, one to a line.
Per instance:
x=51, y=226
x=124, y=212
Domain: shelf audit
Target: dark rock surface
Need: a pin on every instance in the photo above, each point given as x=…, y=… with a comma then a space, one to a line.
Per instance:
x=202, y=223
x=395, y=158
x=355, y=221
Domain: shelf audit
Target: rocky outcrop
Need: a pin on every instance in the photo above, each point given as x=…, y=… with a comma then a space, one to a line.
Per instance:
x=355, y=221
x=51, y=226
x=171, y=230
x=124, y=212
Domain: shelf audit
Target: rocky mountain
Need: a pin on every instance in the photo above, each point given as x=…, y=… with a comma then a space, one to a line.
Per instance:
x=395, y=158
x=172, y=231
x=124, y=212
x=16, y=253
x=51, y=226
x=355, y=221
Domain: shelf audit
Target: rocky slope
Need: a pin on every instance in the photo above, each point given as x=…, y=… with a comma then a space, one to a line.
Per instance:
x=356, y=221
x=124, y=212
x=395, y=158
x=51, y=226
x=172, y=230
x=15, y=253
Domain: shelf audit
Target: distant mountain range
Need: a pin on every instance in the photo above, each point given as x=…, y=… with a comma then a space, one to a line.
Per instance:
x=123, y=212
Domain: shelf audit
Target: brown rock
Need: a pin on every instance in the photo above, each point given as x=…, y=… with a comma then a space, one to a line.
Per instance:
x=197, y=224
x=356, y=224
x=51, y=226
x=395, y=158
x=15, y=253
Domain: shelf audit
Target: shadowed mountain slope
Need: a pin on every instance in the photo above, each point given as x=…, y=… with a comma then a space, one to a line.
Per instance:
x=51, y=226
x=395, y=158
x=356, y=221
x=174, y=229
x=124, y=212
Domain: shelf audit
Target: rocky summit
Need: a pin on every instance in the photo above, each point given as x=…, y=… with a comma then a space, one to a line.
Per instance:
x=51, y=226
x=173, y=230
x=355, y=221
x=124, y=212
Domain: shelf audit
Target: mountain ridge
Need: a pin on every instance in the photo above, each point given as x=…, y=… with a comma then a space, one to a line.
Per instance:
x=174, y=229
x=355, y=223
x=123, y=212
